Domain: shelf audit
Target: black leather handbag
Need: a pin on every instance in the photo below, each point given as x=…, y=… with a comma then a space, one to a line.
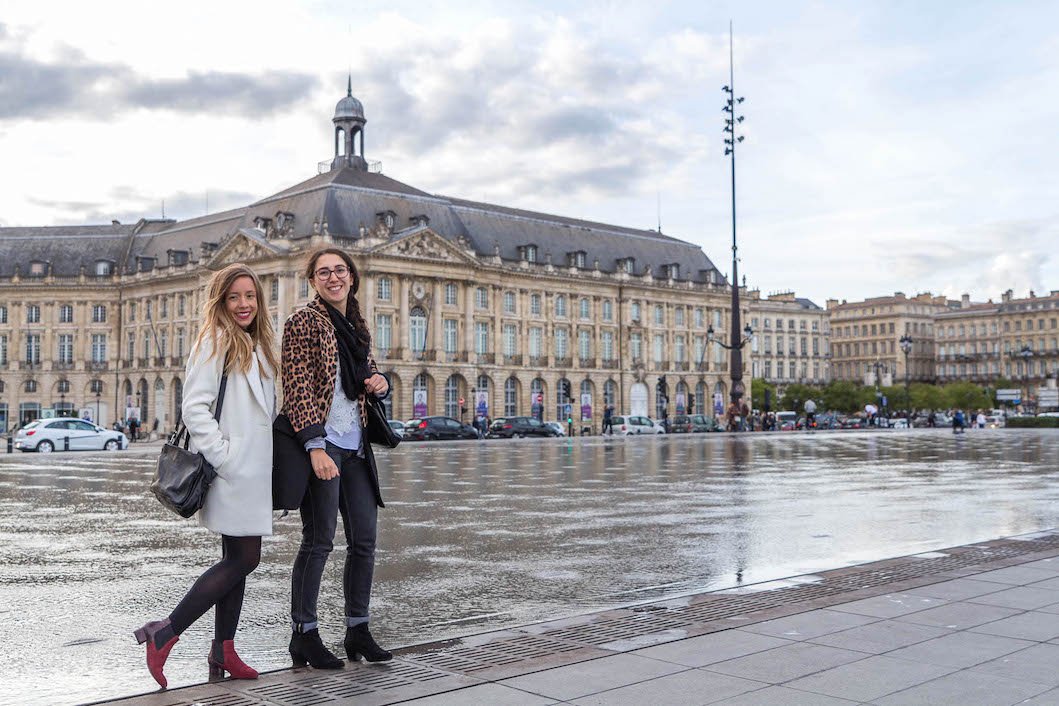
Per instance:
x=185, y=476
x=380, y=433
x=291, y=466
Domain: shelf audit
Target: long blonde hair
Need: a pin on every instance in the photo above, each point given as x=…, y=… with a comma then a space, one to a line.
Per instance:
x=226, y=335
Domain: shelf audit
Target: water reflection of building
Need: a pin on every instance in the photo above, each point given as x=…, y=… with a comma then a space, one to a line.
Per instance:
x=466, y=299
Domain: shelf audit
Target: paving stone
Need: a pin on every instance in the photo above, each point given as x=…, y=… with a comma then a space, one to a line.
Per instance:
x=1051, y=584
x=890, y=606
x=959, y=616
x=957, y=589
x=814, y=623
x=1049, y=564
x=880, y=637
x=961, y=649
x=782, y=696
x=869, y=678
x=1017, y=575
x=1039, y=663
x=1034, y=625
x=715, y=647
x=1048, y=698
x=486, y=694
x=964, y=688
x=781, y=664
x=577, y=680
x=691, y=687
x=1021, y=597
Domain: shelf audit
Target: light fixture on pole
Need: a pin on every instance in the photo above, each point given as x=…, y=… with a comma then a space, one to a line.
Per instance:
x=906, y=348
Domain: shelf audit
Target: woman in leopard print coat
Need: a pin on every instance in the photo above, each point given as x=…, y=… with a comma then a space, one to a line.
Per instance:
x=327, y=371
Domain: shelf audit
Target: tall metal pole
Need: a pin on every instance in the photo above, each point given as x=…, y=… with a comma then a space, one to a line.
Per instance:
x=735, y=333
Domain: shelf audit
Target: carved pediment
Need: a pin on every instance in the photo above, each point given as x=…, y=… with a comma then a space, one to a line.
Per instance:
x=424, y=244
x=243, y=247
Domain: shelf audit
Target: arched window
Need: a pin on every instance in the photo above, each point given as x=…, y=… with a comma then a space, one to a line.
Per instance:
x=452, y=397
x=537, y=398
x=609, y=393
x=417, y=330
x=511, y=397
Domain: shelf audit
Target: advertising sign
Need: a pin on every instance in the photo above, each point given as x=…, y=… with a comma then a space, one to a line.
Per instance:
x=481, y=405
x=132, y=413
x=419, y=403
x=718, y=404
x=586, y=406
x=681, y=403
x=537, y=407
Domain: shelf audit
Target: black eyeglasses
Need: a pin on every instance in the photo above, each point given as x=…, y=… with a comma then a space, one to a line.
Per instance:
x=324, y=273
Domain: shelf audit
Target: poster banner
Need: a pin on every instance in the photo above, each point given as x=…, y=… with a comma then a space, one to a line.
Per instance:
x=481, y=405
x=586, y=406
x=718, y=404
x=419, y=403
x=681, y=402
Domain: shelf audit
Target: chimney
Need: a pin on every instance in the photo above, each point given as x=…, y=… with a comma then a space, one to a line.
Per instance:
x=965, y=301
x=1006, y=296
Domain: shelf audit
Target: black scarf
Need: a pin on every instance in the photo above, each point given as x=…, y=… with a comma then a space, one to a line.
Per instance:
x=353, y=363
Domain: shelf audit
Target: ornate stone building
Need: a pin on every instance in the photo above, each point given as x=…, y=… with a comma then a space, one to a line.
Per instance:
x=865, y=338
x=792, y=340
x=501, y=307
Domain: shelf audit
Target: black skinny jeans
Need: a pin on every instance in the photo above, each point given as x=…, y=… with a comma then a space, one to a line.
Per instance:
x=350, y=494
x=222, y=585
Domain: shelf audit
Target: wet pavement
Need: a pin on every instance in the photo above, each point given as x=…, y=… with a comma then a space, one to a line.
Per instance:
x=485, y=535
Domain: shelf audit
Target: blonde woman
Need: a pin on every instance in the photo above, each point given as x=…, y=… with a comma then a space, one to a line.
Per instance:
x=236, y=338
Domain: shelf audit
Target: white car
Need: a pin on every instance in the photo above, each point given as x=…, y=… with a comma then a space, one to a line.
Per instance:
x=47, y=435
x=899, y=423
x=630, y=424
x=559, y=427
x=398, y=427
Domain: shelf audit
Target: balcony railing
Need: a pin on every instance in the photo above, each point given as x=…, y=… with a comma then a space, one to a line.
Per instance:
x=29, y=365
x=681, y=366
x=159, y=361
x=610, y=364
x=98, y=366
x=62, y=365
x=456, y=357
x=382, y=354
x=586, y=362
x=513, y=359
x=486, y=358
x=126, y=364
x=538, y=361
x=702, y=367
x=143, y=363
x=564, y=362
x=176, y=362
x=429, y=356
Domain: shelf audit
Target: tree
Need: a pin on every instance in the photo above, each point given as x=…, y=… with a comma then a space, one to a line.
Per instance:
x=843, y=396
x=757, y=393
x=925, y=396
x=967, y=395
x=795, y=395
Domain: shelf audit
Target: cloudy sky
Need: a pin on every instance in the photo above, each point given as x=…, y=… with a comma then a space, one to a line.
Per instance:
x=889, y=146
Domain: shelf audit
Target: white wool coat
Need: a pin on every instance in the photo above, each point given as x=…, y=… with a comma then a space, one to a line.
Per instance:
x=239, y=502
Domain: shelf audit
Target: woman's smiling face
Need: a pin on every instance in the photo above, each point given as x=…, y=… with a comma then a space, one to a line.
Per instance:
x=241, y=301
x=331, y=280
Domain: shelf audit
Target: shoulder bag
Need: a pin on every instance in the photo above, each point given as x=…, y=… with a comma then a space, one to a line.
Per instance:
x=185, y=476
x=379, y=431
x=291, y=466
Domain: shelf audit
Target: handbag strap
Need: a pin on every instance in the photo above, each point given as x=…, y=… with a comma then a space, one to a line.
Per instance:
x=182, y=428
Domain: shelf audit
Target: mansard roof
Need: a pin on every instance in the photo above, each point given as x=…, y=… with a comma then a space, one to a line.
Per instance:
x=343, y=201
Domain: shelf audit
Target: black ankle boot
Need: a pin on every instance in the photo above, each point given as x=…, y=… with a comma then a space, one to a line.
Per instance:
x=360, y=642
x=307, y=648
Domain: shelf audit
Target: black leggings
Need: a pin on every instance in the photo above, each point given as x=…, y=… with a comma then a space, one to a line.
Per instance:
x=222, y=585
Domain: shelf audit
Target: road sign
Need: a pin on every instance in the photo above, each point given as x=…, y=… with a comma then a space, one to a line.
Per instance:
x=1048, y=397
x=1008, y=395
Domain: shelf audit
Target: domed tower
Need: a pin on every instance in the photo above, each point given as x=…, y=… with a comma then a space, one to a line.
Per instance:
x=349, y=125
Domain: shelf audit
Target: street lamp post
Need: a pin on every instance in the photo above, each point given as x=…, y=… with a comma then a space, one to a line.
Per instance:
x=906, y=348
x=97, y=406
x=62, y=404
x=731, y=123
x=1026, y=353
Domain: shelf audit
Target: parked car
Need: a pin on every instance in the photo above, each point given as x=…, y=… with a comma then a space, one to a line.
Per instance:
x=700, y=423
x=558, y=427
x=786, y=421
x=899, y=423
x=438, y=428
x=680, y=424
x=397, y=426
x=659, y=425
x=47, y=435
x=628, y=425
x=994, y=422
x=519, y=427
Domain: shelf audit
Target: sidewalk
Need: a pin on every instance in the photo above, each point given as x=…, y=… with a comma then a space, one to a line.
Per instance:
x=967, y=626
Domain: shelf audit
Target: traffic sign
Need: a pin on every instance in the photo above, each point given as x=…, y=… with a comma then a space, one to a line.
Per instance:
x=1048, y=397
x=1008, y=395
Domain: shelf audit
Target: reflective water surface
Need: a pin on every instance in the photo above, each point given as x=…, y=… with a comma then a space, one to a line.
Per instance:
x=479, y=535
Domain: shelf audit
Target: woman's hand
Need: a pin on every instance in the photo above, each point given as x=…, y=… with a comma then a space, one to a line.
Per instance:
x=323, y=466
x=376, y=385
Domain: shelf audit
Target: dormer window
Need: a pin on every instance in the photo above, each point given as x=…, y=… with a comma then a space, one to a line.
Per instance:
x=262, y=223
x=144, y=264
x=528, y=252
x=177, y=257
x=386, y=219
x=420, y=220
x=576, y=259
x=284, y=219
x=672, y=271
x=627, y=265
x=37, y=268
x=104, y=268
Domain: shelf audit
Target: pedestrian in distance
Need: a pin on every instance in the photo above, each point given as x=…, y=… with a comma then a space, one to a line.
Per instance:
x=236, y=339
x=958, y=422
x=327, y=373
x=608, y=420
x=980, y=419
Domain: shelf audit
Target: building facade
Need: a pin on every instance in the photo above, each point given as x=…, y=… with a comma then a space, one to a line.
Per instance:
x=514, y=312
x=792, y=340
x=865, y=338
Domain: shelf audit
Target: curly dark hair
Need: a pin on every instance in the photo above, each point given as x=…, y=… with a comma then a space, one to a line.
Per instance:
x=352, y=305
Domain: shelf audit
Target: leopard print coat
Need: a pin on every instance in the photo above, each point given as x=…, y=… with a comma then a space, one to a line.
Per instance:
x=310, y=364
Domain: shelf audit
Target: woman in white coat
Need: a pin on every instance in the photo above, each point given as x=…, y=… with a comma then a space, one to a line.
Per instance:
x=236, y=338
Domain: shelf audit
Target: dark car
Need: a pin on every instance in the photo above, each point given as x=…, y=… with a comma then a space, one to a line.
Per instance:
x=519, y=427
x=437, y=428
x=701, y=423
x=680, y=424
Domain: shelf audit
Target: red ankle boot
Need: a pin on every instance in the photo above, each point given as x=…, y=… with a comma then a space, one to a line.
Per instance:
x=156, y=656
x=229, y=662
